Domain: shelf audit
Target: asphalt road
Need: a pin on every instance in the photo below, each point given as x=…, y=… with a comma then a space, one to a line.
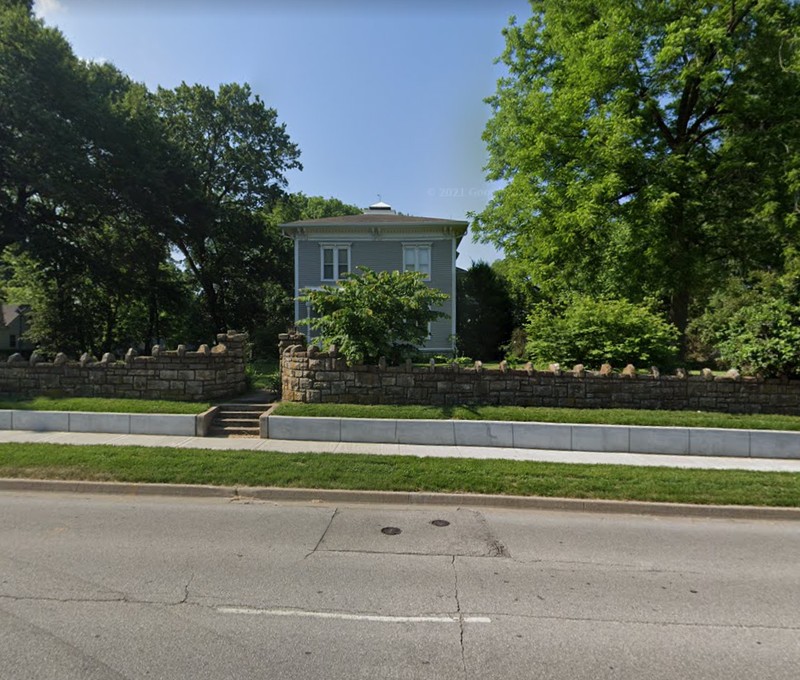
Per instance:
x=96, y=587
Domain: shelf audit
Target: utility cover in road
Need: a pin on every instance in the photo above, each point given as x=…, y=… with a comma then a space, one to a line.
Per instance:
x=417, y=532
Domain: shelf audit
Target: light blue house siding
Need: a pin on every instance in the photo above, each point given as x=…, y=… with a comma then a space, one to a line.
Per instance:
x=378, y=239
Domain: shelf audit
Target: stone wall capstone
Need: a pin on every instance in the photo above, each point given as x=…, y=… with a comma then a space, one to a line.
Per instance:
x=311, y=376
x=177, y=375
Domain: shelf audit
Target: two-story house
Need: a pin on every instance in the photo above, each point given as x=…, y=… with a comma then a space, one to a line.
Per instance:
x=325, y=249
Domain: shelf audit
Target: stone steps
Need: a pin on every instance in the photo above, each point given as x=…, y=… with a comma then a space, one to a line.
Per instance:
x=237, y=419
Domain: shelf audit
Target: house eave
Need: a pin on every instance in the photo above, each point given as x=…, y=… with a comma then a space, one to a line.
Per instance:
x=372, y=232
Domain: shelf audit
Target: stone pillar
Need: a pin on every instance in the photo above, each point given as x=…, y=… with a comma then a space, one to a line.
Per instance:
x=286, y=340
x=235, y=343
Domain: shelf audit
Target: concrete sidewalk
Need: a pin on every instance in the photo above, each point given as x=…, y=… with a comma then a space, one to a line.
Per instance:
x=700, y=462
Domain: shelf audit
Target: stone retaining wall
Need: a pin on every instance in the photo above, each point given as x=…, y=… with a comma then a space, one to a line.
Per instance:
x=308, y=375
x=178, y=375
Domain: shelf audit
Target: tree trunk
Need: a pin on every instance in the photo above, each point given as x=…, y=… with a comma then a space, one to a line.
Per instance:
x=679, y=315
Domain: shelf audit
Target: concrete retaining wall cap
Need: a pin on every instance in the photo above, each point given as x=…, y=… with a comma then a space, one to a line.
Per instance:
x=548, y=436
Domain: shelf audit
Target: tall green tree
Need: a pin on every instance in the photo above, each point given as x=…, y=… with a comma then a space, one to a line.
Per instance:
x=238, y=153
x=103, y=182
x=47, y=128
x=298, y=206
x=649, y=148
x=98, y=304
x=485, y=312
x=85, y=182
x=27, y=5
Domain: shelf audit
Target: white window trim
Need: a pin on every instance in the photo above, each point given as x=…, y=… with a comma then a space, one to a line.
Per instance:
x=416, y=245
x=335, y=246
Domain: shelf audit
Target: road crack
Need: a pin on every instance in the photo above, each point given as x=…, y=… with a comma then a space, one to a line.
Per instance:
x=120, y=599
x=321, y=538
x=638, y=622
x=186, y=589
x=460, y=618
x=44, y=598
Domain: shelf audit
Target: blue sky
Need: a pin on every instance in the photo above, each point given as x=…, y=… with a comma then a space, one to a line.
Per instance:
x=381, y=97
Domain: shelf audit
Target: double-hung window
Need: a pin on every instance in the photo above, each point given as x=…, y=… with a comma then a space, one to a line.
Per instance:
x=417, y=258
x=335, y=260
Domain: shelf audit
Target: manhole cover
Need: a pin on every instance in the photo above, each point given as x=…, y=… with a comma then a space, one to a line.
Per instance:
x=411, y=532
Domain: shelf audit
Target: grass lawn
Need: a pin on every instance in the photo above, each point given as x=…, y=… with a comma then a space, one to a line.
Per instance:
x=605, y=416
x=101, y=405
x=398, y=473
x=264, y=374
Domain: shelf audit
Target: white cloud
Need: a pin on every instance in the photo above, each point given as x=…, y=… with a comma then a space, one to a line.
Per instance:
x=47, y=9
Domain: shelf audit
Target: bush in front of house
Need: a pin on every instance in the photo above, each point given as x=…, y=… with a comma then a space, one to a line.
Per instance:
x=594, y=331
x=753, y=325
x=371, y=314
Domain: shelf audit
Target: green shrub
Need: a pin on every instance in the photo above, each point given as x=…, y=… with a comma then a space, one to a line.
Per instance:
x=594, y=331
x=753, y=326
x=515, y=349
x=375, y=314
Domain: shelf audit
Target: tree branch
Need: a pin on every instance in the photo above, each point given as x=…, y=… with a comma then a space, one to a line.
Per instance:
x=661, y=124
x=733, y=24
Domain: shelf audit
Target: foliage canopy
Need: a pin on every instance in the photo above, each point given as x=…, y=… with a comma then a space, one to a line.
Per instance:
x=484, y=312
x=129, y=216
x=647, y=149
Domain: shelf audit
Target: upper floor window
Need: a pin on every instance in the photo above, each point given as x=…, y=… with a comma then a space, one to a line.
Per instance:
x=335, y=261
x=417, y=258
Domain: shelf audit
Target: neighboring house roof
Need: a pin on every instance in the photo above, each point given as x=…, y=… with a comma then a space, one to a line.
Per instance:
x=10, y=313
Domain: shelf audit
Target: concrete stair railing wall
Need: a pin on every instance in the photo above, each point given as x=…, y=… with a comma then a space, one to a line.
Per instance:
x=187, y=425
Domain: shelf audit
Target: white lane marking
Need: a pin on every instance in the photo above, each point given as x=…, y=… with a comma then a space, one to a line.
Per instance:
x=353, y=617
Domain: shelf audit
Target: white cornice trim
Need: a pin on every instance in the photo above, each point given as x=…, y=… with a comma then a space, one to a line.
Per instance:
x=328, y=237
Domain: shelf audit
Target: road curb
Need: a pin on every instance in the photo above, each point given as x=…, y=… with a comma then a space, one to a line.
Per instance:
x=414, y=498
x=116, y=488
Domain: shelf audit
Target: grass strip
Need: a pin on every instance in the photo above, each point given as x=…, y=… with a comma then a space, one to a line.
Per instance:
x=398, y=473
x=605, y=416
x=104, y=405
